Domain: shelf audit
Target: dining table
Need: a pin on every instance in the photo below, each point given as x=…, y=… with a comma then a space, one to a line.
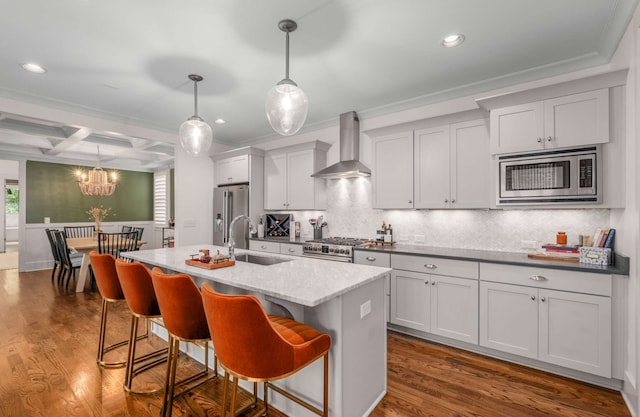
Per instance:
x=85, y=245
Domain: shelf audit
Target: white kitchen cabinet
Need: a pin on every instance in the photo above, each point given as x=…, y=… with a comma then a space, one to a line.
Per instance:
x=432, y=167
x=287, y=177
x=454, y=308
x=290, y=249
x=509, y=318
x=435, y=302
x=452, y=166
x=377, y=259
x=264, y=246
x=410, y=294
x=568, y=121
x=559, y=317
x=231, y=170
x=575, y=331
x=392, y=172
x=284, y=248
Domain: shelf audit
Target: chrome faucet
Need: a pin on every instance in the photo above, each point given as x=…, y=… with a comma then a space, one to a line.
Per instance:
x=232, y=241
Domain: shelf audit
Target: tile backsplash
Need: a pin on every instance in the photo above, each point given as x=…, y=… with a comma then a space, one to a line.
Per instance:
x=349, y=213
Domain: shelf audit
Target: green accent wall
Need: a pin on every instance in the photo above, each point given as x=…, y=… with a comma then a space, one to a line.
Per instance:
x=52, y=191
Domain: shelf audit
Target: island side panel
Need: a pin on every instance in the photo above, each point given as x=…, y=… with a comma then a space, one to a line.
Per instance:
x=359, y=350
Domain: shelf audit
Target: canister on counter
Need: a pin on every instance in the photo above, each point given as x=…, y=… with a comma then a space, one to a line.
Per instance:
x=561, y=238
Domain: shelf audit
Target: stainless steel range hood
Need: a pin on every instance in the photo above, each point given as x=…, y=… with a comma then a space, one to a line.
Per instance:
x=349, y=165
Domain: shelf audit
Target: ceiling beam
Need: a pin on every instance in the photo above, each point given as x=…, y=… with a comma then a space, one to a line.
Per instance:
x=72, y=140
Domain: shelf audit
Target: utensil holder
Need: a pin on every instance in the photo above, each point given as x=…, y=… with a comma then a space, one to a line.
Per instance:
x=317, y=233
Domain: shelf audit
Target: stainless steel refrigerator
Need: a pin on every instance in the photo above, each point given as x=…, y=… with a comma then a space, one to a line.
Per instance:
x=228, y=202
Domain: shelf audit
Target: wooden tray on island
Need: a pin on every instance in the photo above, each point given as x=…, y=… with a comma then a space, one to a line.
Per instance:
x=542, y=256
x=210, y=265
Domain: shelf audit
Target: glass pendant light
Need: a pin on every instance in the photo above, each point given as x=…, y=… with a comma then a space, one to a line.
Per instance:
x=195, y=134
x=286, y=104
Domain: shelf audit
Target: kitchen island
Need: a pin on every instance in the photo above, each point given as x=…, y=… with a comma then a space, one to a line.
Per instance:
x=343, y=299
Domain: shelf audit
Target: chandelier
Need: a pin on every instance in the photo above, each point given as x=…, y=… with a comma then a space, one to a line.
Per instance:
x=96, y=181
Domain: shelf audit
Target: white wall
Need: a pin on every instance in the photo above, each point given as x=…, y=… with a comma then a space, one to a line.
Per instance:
x=193, y=192
x=8, y=170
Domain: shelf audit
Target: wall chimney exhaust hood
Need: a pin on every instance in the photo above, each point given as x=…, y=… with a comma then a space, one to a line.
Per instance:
x=349, y=165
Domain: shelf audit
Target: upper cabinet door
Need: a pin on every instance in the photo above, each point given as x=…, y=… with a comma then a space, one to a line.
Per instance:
x=563, y=122
x=517, y=128
x=301, y=191
x=392, y=173
x=577, y=120
x=432, y=167
x=231, y=170
x=471, y=185
x=275, y=182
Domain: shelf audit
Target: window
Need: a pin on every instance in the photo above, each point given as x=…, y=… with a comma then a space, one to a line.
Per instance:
x=161, y=194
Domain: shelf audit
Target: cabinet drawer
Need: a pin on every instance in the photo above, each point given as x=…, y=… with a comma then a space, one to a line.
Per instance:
x=372, y=258
x=556, y=279
x=291, y=249
x=436, y=266
x=264, y=246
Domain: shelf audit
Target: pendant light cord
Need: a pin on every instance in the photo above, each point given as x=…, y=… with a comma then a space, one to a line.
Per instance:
x=195, y=97
x=286, y=60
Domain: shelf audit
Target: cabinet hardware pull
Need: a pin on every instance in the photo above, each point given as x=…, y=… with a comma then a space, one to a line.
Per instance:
x=453, y=201
x=433, y=283
x=263, y=247
x=426, y=283
x=543, y=299
x=291, y=250
x=446, y=200
x=410, y=202
x=539, y=140
x=537, y=278
x=430, y=266
x=549, y=138
x=533, y=297
x=370, y=258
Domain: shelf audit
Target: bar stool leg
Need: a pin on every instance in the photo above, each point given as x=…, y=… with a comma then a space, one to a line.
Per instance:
x=132, y=352
x=172, y=364
x=103, y=331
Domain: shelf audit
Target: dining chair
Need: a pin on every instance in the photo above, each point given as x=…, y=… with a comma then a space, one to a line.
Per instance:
x=116, y=243
x=79, y=231
x=69, y=264
x=54, y=252
x=139, y=230
x=257, y=347
x=183, y=316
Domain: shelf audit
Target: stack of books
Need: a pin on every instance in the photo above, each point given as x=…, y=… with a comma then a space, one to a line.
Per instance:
x=604, y=238
x=553, y=249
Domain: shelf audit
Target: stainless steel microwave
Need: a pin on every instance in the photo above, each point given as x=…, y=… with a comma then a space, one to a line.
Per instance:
x=550, y=177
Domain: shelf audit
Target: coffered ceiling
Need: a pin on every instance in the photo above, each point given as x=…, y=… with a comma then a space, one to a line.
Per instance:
x=128, y=61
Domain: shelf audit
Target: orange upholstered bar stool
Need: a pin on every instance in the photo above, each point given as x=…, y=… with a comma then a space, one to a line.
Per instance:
x=258, y=347
x=104, y=269
x=183, y=315
x=137, y=286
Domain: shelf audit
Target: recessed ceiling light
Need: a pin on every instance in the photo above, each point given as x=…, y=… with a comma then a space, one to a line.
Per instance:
x=219, y=121
x=30, y=66
x=453, y=40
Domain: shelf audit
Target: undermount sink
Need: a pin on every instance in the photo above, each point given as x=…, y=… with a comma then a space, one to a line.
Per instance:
x=260, y=260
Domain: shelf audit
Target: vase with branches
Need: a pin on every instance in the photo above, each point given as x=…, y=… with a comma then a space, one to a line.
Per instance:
x=98, y=214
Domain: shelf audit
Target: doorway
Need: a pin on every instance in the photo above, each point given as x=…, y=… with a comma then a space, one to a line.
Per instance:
x=9, y=244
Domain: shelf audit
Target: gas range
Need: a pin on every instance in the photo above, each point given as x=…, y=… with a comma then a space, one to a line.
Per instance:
x=333, y=248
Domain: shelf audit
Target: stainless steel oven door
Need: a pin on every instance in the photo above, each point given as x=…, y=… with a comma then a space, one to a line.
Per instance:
x=328, y=257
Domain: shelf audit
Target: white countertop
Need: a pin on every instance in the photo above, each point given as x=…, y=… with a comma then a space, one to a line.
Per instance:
x=305, y=281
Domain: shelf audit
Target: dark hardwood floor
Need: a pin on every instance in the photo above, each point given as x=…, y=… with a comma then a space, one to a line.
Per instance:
x=48, y=342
